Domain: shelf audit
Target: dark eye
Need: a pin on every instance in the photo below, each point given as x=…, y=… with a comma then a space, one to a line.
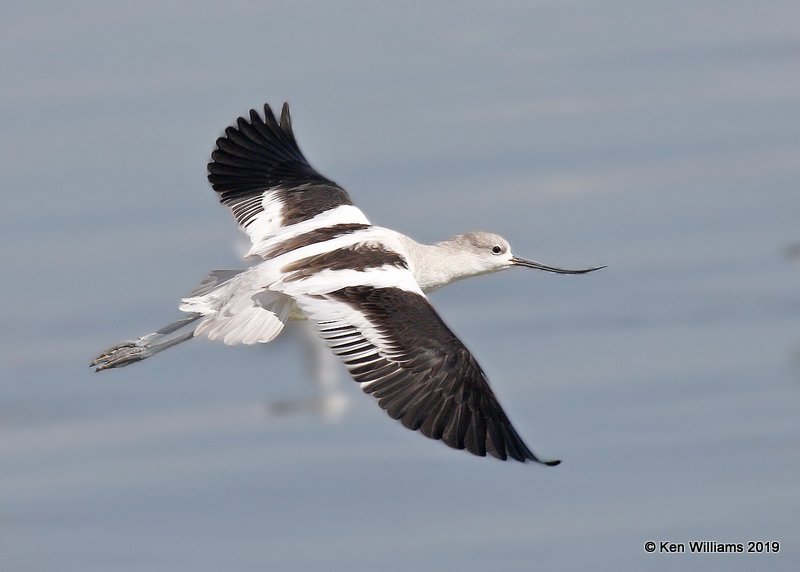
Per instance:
x=497, y=249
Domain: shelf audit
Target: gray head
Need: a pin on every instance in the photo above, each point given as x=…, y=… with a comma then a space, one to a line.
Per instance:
x=492, y=253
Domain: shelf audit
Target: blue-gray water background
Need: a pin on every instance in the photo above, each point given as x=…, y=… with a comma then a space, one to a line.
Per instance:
x=661, y=139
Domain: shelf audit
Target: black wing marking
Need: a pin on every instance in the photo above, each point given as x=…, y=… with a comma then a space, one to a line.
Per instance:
x=258, y=166
x=395, y=344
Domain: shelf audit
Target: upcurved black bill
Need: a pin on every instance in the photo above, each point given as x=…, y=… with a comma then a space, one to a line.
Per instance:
x=531, y=264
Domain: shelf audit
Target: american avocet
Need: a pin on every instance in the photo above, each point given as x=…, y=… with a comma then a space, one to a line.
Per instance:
x=363, y=287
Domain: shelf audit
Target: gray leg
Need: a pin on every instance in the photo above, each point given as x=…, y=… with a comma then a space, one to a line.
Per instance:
x=146, y=346
x=175, y=326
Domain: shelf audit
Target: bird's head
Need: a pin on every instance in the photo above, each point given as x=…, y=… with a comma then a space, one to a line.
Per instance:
x=492, y=253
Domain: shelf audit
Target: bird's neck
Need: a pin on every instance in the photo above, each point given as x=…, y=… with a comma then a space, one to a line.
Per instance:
x=437, y=265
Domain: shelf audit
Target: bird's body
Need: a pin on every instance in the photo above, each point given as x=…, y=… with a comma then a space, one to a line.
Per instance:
x=362, y=286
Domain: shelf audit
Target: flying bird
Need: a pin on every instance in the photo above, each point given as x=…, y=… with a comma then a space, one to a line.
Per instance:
x=363, y=287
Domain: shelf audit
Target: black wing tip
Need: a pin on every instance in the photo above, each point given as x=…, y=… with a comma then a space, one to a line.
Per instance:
x=529, y=456
x=270, y=119
x=512, y=451
x=278, y=127
x=286, y=119
x=253, y=151
x=509, y=456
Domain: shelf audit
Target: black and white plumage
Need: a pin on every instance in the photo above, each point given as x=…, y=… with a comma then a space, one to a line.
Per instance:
x=363, y=286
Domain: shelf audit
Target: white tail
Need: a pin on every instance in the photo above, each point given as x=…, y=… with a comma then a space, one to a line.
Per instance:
x=237, y=308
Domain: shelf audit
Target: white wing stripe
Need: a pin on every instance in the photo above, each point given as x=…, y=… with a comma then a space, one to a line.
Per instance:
x=344, y=214
x=327, y=281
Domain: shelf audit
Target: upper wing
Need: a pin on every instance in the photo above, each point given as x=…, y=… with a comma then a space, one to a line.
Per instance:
x=400, y=351
x=261, y=174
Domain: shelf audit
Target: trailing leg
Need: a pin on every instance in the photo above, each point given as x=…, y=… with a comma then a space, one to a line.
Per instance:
x=146, y=346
